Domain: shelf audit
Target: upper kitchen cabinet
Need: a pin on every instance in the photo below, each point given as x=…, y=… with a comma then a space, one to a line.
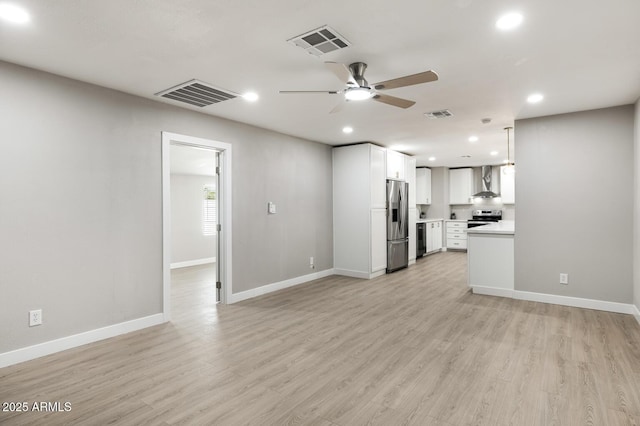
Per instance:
x=423, y=185
x=395, y=165
x=461, y=186
x=507, y=186
x=410, y=175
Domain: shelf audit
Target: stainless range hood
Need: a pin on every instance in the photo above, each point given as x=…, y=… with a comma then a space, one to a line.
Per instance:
x=487, y=184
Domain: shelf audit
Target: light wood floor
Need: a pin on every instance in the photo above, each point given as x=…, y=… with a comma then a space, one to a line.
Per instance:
x=413, y=347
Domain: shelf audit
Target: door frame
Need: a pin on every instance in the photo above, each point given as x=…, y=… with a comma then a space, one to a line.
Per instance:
x=224, y=200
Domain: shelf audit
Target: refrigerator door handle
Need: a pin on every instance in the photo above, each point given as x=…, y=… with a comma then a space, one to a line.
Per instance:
x=401, y=210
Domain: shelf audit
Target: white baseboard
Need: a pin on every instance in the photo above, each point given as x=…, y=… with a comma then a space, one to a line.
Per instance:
x=359, y=274
x=196, y=262
x=636, y=313
x=270, y=288
x=492, y=291
x=64, y=343
x=577, y=302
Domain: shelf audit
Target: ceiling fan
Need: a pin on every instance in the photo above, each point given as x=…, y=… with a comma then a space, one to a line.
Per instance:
x=358, y=88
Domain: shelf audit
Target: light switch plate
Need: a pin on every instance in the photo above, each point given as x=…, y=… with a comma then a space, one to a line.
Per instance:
x=271, y=208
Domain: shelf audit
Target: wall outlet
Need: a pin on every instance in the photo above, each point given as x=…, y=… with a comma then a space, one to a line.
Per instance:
x=311, y=264
x=35, y=317
x=564, y=278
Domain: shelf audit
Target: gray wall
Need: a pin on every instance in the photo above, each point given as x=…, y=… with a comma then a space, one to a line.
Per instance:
x=636, y=215
x=574, y=203
x=187, y=239
x=80, y=212
x=439, y=207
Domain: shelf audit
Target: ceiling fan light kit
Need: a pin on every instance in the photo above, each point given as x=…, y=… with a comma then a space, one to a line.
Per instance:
x=358, y=88
x=358, y=93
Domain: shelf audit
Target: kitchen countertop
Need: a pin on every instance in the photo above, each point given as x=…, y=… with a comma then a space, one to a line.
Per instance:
x=504, y=227
x=456, y=220
x=427, y=220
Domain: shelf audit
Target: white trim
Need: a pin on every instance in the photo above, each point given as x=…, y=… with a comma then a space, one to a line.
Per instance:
x=64, y=343
x=600, y=305
x=636, y=313
x=358, y=274
x=492, y=291
x=554, y=299
x=195, y=262
x=270, y=288
x=225, y=197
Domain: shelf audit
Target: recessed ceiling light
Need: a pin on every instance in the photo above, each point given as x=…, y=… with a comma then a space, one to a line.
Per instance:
x=13, y=13
x=494, y=153
x=250, y=96
x=509, y=21
x=535, y=98
x=473, y=139
x=347, y=129
x=432, y=158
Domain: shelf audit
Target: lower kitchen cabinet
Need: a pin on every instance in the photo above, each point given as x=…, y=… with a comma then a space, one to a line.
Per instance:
x=412, y=234
x=456, y=234
x=434, y=236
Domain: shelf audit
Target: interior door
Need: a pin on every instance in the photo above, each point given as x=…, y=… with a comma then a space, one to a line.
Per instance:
x=218, y=233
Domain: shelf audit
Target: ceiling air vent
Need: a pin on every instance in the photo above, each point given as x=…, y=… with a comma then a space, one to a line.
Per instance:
x=444, y=113
x=198, y=93
x=320, y=41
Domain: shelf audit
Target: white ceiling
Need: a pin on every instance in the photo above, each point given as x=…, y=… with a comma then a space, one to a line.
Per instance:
x=581, y=54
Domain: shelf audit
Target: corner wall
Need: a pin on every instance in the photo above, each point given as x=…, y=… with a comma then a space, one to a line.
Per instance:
x=81, y=207
x=575, y=205
x=636, y=213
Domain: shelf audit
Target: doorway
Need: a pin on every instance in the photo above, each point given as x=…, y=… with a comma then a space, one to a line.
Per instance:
x=216, y=204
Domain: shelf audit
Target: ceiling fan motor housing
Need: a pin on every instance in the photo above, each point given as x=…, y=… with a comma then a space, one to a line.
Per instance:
x=357, y=71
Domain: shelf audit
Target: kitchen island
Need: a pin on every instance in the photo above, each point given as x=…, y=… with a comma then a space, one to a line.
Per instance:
x=490, y=258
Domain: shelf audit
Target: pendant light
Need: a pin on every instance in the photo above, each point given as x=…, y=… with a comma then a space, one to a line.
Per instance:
x=509, y=168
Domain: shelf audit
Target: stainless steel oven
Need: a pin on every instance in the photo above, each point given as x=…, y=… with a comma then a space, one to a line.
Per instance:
x=484, y=217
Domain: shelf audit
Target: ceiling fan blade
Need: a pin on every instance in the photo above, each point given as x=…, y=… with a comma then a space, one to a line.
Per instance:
x=392, y=100
x=409, y=80
x=338, y=107
x=293, y=92
x=342, y=72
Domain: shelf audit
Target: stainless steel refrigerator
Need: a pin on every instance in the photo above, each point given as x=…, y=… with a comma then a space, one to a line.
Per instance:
x=397, y=225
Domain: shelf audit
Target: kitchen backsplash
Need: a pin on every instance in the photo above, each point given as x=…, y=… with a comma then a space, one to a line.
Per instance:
x=465, y=212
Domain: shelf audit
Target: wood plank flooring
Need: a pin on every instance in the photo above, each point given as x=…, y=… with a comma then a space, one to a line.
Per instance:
x=410, y=348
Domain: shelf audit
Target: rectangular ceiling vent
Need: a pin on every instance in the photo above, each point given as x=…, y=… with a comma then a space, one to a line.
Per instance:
x=320, y=41
x=198, y=93
x=444, y=113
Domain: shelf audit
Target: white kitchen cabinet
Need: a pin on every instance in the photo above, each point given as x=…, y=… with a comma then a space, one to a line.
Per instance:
x=395, y=165
x=456, y=234
x=461, y=186
x=437, y=236
x=359, y=211
x=434, y=236
x=423, y=185
x=507, y=186
x=379, y=239
x=410, y=177
x=412, y=234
